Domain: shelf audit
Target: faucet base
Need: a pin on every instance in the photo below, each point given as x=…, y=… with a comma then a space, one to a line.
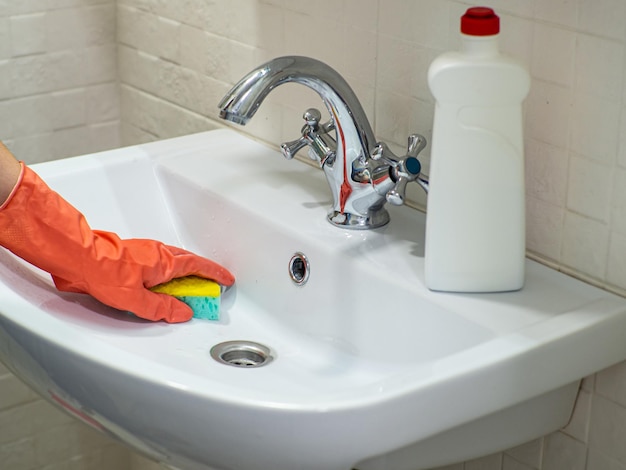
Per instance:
x=374, y=219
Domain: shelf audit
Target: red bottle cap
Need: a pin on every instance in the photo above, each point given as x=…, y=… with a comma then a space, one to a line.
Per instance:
x=480, y=21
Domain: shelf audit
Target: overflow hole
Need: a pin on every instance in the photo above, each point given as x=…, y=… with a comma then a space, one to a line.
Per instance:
x=299, y=268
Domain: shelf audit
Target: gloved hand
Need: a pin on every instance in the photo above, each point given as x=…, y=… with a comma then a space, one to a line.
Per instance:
x=39, y=226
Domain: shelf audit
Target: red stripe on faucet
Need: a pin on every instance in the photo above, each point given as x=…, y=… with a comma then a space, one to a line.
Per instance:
x=346, y=189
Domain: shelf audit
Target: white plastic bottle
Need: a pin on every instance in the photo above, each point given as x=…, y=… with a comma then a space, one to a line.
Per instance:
x=475, y=226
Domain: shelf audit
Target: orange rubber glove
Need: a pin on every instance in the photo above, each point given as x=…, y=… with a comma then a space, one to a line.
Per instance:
x=39, y=226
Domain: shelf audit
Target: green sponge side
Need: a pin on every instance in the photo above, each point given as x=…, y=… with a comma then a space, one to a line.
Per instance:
x=202, y=295
x=206, y=308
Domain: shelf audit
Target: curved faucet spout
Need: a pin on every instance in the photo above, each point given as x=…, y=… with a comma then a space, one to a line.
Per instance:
x=243, y=100
x=359, y=182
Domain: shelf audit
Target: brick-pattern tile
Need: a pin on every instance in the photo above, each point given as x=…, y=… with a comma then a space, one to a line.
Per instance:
x=58, y=59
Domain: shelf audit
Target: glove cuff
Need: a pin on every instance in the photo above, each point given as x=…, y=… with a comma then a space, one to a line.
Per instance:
x=15, y=188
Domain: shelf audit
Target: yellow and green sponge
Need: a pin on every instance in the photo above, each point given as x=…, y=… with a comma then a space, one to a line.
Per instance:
x=202, y=295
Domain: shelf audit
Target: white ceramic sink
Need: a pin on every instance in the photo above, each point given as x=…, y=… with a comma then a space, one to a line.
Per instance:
x=370, y=369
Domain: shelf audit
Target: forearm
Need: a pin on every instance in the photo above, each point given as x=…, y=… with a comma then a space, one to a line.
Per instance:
x=9, y=172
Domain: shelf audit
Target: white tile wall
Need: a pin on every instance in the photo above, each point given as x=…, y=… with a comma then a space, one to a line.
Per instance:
x=58, y=77
x=34, y=435
x=139, y=462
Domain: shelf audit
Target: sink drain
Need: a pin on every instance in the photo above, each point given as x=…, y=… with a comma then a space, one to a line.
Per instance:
x=241, y=354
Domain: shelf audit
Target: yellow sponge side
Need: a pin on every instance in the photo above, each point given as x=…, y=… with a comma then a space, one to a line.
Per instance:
x=189, y=286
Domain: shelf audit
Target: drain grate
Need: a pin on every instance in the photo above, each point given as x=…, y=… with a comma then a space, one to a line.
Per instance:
x=247, y=354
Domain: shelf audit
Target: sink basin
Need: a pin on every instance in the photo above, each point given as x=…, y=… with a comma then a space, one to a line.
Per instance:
x=364, y=367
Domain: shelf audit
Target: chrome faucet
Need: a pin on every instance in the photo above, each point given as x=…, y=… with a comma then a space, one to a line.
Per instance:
x=363, y=174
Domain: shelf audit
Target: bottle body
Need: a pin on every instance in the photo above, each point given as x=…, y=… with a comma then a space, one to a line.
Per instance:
x=475, y=228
